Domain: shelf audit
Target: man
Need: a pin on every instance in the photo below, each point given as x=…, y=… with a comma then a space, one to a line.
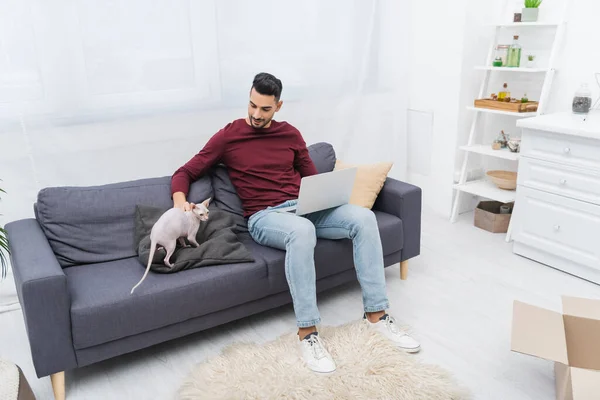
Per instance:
x=266, y=160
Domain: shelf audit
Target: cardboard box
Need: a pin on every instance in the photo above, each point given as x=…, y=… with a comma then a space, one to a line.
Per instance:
x=488, y=217
x=570, y=339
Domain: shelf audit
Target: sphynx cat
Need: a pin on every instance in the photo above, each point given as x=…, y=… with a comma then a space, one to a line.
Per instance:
x=175, y=224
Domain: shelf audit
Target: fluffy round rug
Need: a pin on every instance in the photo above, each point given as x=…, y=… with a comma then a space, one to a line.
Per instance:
x=368, y=367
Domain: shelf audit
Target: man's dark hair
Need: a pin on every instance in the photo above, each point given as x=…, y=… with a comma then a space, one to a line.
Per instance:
x=267, y=85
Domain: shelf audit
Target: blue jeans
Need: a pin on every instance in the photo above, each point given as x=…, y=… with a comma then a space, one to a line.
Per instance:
x=298, y=237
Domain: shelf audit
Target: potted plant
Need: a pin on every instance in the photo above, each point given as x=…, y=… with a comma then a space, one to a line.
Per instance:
x=531, y=10
x=4, y=250
x=530, y=60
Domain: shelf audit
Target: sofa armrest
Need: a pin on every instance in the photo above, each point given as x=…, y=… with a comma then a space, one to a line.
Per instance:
x=44, y=296
x=404, y=201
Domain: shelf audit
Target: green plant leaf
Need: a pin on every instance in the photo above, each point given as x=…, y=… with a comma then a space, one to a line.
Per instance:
x=3, y=266
x=533, y=3
x=4, y=241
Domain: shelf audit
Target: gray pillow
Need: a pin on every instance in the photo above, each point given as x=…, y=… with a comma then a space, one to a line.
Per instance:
x=226, y=198
x=218, y=242
x=323, y=156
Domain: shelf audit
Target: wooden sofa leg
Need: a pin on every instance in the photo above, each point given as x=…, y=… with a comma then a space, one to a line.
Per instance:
x=404, y=270
x=58, y=385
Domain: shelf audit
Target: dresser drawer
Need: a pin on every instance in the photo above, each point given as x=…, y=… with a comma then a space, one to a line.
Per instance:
x=565, y=149
x=576, y=183
x=556, y=225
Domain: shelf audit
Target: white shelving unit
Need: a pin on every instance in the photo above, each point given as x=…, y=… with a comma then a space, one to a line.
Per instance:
x=506, y=69
x=486, y=150
x=483, y=187
x=500, y=112
x=528, y=24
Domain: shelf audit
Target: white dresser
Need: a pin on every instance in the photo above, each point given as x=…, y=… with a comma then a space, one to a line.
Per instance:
x=557, y=209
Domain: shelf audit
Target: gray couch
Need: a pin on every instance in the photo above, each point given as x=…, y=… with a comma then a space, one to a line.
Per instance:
x=75, y=264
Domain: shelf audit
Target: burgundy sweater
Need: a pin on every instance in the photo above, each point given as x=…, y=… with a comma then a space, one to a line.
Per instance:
x=265, y=165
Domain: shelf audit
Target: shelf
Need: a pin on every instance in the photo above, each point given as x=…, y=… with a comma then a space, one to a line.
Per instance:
x=500, y=112
x=488, y=190
x=487, y=150
x=527, y=24
x=507, y=69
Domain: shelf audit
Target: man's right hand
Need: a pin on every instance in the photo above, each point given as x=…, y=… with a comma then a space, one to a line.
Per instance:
x=179, y=201
x=185, y=206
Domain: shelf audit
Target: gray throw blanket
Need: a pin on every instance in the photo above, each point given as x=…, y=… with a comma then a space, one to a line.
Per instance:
x=218, y=242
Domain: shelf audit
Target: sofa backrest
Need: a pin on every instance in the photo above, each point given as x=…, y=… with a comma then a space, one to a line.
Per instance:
x=96, y=224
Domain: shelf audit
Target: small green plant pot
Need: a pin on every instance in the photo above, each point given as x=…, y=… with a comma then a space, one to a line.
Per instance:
x=530, y=14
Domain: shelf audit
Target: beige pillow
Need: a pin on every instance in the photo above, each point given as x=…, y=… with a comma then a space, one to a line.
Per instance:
x=369, y=181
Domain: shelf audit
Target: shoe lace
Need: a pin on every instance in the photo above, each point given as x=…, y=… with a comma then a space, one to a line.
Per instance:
x=316, y=347
x=391, y=324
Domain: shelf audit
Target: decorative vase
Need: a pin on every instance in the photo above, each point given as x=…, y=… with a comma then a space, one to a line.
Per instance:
x=530, y=14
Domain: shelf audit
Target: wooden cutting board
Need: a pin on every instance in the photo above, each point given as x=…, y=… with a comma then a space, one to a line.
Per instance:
x=518, y=107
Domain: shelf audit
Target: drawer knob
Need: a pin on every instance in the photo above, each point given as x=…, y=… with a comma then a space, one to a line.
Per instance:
x=557, y=228
x=567, y=150
x=563, y=181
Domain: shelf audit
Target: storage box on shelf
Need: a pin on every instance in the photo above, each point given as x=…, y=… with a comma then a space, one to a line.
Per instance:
x=489, y=217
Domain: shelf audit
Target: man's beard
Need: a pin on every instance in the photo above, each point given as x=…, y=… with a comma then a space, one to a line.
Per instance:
x=259, y=123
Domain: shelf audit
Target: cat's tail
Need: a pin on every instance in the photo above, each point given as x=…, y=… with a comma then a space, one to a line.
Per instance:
x=150, y=257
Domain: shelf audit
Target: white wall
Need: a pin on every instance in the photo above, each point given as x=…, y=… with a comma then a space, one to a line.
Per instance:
x=435, y=63
x=579, y=57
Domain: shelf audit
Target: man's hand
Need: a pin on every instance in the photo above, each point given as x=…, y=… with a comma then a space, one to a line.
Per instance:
x=179, y=201
x=185, y=206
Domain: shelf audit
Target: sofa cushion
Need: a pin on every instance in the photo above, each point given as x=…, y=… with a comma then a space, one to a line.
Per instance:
x=369, y=181
x=102, y=309
x=331, y=256
x=323, y=156
x=96, y=224
x=226, y=198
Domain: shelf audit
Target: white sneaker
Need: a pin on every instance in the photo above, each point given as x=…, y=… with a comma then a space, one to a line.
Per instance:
x=315, y=355
x=389, y=328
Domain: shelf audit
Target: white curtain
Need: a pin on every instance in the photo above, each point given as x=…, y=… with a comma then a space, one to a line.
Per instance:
x=102, y=91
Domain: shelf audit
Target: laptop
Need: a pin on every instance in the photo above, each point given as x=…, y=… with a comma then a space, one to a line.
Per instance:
x=323, y=191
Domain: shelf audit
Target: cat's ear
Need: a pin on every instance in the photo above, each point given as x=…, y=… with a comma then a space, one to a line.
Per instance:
x=206, y=202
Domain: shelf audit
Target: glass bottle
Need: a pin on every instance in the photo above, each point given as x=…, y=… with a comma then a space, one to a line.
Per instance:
x=504, y=93
x=502, y=53
x=514, y=54
x=582, y=101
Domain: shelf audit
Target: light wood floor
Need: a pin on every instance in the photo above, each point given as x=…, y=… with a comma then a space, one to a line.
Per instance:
x=458, y=301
